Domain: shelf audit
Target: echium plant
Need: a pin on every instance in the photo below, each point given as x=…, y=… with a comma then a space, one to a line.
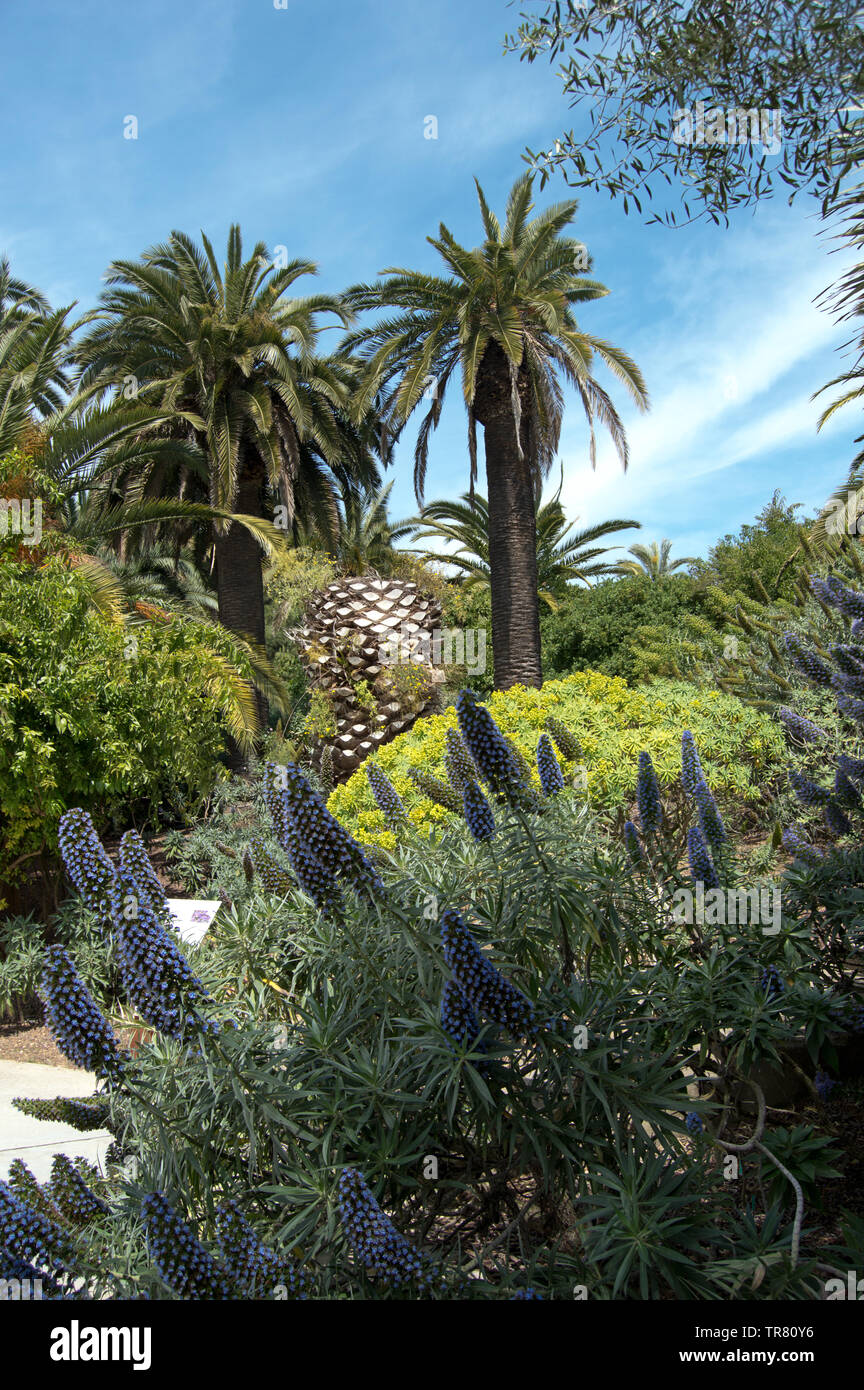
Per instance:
x=841, y=801
x=495, y=761
x=386, y=797
x=158, y=979
x=316, y=833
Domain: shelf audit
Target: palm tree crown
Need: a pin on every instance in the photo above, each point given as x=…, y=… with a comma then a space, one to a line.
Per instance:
x=653, y=560
x=562, y=558
x=503, y=318
x=262, y=415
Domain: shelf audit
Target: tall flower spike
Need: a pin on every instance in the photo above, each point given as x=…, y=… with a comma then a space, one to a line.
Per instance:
x=85, y=859
x=796, y=845
x=135, y=863
x=323, y=836
x=853, y=768
x=568, y=746
x=691, y=767
x=551, y=778
x=27, y=1235
x=848, y=658
x=809, y=793
x=848, y=685
x=836, y=819
x=633, y=844
x=710, y=820
x=386, y=796
x=826, y=590
x=255, y=1269
x=458, y=763
x=272, y=785
x=495, y=762
x=23, y=1183
x=648, y=797
x=799, y=728
x=806, y=661
x=158, y=978
x=486, y=989
x=440, y=792
x=853, y=709
x=21, y=1272
x=771, y=983
x=85, y=1113
x=316, y=882
x=181, y=1260
x=273, y=878
x=478, y=812
x=76, y=1201
x=458, y=1019
x=374, y=1240
x=77, y=1026
x=849, y=601
x=702, y=868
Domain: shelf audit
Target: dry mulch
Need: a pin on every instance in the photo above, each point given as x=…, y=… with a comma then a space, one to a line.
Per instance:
x=30, y=1042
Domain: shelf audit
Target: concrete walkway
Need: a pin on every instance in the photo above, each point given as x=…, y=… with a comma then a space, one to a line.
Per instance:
x=37, y=1141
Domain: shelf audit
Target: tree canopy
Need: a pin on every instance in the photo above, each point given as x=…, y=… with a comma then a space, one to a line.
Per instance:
x=636, y=68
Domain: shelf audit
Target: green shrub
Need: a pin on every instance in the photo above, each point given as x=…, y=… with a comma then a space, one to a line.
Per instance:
x=94, y=713
x=612, y=627
x=613, y=722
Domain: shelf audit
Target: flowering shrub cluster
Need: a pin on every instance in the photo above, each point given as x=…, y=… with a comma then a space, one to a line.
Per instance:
x=579, y=1038
x=598, y=725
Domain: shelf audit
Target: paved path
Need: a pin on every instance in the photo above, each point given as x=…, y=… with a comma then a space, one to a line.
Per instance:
x=37, y=1141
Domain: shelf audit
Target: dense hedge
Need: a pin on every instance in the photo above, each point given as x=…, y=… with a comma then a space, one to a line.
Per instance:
x=613, y=723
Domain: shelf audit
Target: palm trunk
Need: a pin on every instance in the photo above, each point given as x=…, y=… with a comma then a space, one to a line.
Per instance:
x=240, y=580
x=512, y=531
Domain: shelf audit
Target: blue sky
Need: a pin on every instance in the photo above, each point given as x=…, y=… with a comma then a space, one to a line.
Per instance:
x=306, y=124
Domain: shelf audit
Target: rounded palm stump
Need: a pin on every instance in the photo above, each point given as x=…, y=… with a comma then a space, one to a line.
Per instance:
x=367, y=643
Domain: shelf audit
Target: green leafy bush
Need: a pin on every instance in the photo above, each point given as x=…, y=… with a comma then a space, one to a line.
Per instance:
x=94, y=713
x=613, y=724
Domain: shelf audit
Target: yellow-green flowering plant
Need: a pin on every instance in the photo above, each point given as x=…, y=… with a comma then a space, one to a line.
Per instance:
x=613, y=722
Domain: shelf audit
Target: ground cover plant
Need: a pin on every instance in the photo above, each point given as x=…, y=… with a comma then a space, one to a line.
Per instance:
x=515, y=1066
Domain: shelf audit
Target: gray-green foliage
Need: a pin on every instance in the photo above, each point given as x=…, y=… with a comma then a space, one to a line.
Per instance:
x=562, y=1158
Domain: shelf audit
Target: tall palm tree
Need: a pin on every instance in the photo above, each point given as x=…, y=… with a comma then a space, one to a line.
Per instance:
x=562, y=558
x=652, y=560
x=503, y=318
x=262, y=415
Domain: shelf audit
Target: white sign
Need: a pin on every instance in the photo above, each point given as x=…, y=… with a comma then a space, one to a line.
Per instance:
x=192, y=917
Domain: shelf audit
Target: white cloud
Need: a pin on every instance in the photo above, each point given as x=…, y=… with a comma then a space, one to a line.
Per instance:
x=731, y=371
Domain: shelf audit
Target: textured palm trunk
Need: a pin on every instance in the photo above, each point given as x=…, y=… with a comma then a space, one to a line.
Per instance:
x=240, y=579
x=512, y=531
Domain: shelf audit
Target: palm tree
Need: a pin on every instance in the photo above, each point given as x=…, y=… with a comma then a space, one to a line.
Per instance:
x=652, y=560
x=35, y=348
x=504, y=319
x=262, y=417
x=561, y=558
x=366, y=533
